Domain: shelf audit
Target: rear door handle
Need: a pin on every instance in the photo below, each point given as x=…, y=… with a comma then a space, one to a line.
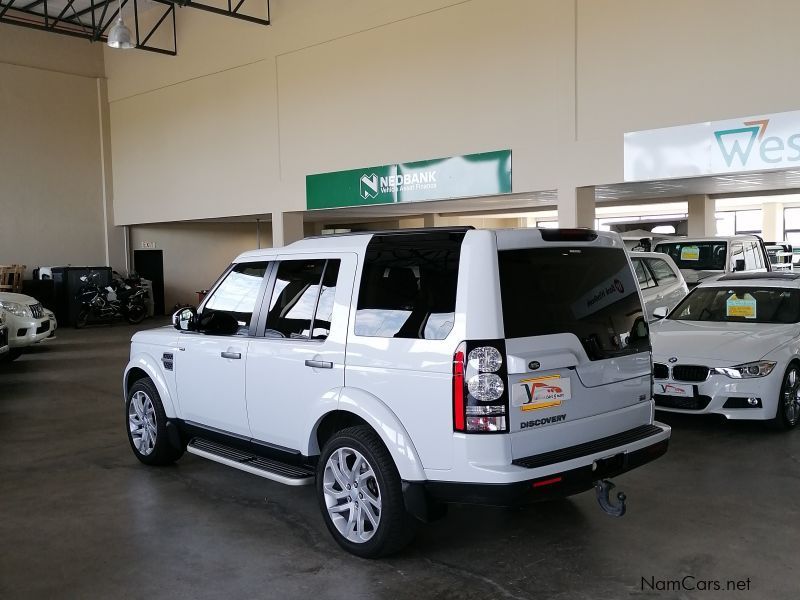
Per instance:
x=235, y=355
x=319, y=364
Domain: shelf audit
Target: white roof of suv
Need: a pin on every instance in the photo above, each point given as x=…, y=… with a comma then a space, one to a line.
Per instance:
x=713, y=238
x=357, y=241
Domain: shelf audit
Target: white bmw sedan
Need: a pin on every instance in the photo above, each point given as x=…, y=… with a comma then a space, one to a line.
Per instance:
x=732, y=347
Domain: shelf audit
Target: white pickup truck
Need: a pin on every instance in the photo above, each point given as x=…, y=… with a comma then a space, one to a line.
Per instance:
x=28, y=322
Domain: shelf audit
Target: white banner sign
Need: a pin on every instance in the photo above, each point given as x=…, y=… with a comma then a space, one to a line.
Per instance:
x=757, y=143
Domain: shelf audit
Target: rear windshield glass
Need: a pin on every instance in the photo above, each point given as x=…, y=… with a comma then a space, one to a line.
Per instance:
x=700, y=256
x=587, y=291
x=740, y=304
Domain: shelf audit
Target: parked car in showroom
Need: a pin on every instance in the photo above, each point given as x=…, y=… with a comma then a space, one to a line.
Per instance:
x=780, y=255
x=705, y=259
x=3, y=337
x=732, y=347
x=28, y=322
x=401, y=371
x=659, y=279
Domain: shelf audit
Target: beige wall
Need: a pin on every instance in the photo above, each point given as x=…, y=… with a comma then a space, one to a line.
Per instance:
x=196, y=253
x=40, y=50
x=235, y=122
x=51, y=169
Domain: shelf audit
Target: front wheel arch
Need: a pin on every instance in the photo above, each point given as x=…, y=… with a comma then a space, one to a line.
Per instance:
x=144, y=365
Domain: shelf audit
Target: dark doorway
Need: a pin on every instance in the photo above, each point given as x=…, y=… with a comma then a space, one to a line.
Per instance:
x=149, y=264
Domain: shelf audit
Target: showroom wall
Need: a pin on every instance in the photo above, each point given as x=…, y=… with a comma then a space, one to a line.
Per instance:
x=54, y=183
x=196, y=253
x=245, y=112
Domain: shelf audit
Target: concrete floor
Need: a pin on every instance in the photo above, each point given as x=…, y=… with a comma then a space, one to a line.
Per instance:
x=81, y=518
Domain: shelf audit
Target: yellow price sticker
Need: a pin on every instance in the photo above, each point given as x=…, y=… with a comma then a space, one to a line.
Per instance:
x=690, y=253
x=741, y=307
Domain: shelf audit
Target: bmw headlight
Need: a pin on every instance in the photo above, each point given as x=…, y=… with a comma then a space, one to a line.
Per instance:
x=759, y=368
x=15, y=308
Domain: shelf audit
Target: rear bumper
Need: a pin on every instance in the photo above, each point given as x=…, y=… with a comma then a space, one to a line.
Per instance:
x=421, y=495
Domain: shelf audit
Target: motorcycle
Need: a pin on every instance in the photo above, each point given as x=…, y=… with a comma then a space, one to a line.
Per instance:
x=122, y=298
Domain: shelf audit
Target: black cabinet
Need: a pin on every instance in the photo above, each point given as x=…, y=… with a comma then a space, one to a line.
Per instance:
x=66, y=283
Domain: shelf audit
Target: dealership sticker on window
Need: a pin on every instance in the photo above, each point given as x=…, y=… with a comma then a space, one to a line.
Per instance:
x=541, y=392
x=741, y=307
x=690, y=253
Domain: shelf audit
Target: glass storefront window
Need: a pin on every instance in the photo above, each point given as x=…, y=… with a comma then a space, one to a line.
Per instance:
x=748, y=221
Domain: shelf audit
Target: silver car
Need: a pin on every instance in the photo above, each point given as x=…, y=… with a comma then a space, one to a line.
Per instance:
x=660, y=280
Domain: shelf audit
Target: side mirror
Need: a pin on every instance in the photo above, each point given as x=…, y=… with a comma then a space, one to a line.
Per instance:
x=185, y=319
x=660, y=312
x=217, y=323
x=738, y=265
x=640, y=330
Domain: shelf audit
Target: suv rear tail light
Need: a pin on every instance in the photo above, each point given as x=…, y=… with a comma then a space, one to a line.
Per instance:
x=480, y=395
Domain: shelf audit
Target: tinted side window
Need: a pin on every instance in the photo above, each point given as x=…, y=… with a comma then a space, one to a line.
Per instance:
x=322, y=319
x=642, y=274
x=237, y=293
x=737, y=254
x=408, y=286
x=753, y=259
x=661, y=270
x=294, y=298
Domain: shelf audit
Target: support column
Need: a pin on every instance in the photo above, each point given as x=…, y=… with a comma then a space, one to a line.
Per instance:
x=702, y=216
x=772, y=221
x=576, y=207
x=435, y=220
x=115, y=239
x=287, y=227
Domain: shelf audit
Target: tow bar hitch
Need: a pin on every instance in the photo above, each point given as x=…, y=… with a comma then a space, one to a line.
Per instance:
x=602, y=489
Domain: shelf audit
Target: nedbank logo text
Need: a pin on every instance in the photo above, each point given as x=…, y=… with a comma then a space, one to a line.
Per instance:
x=737, y=145
x=371, y=185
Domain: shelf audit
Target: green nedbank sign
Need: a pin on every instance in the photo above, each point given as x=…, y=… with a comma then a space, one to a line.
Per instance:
x=484, y=174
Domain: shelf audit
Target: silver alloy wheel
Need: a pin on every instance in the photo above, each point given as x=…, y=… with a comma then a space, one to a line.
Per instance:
x=142, y=423
x=791, y=397
x=352, y=495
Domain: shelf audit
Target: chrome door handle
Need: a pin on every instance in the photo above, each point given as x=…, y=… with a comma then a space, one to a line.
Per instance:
x=236, y=355
x=319, y=364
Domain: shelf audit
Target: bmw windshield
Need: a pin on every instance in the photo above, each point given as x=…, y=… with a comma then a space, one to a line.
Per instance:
x=737, y=304
x=700, y=256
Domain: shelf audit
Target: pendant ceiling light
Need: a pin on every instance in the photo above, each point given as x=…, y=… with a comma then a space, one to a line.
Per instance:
x=119, y=36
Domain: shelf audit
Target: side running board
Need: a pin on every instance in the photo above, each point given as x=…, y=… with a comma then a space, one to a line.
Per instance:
x=245, y=461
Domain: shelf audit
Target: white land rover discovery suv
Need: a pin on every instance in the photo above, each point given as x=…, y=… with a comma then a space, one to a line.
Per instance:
x=401, y=371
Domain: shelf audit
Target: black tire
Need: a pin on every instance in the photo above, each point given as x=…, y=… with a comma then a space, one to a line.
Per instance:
x=163, y=450
x=396, y=527
x=787, y=414
x=82, y=319
x=136, y=314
